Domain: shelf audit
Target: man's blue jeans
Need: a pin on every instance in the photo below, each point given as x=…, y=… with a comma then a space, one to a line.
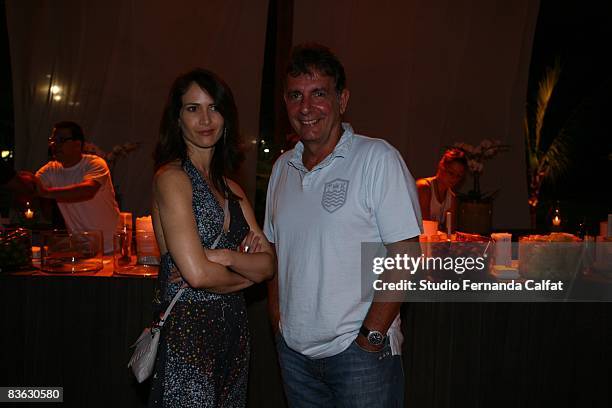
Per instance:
x=354, y=378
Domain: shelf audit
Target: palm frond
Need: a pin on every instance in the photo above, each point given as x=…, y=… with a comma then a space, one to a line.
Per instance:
x=556, y=157
x=545, y=90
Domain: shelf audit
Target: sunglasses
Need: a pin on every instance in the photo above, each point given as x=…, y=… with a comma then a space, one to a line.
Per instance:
x=55, y=141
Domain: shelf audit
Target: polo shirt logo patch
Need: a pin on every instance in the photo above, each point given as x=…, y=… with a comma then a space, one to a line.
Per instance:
x=334, y=195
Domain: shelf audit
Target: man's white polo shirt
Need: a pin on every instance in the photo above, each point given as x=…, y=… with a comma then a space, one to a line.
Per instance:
x=317, y=220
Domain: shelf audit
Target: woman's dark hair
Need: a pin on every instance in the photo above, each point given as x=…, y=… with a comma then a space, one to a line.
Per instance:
x=453, y=155
x=171, y=145
x=308, y=56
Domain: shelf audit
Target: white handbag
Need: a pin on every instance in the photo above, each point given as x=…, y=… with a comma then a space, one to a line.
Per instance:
x=143, y=358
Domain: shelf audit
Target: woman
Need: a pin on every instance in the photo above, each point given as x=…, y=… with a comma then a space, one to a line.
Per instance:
x=204, y=347
x=436, y=195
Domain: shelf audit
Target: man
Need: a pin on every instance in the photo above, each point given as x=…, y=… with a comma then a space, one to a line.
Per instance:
x=80, y=183
x=329, y=194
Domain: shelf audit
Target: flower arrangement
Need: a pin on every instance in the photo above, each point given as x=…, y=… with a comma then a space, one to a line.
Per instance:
x=111, y=158
x=476, y=156
x=120, y=151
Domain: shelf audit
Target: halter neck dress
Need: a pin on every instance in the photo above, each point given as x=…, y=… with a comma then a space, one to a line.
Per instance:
x=203, y=354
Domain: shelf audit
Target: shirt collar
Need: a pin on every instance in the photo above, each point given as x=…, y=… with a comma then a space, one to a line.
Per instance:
x=342, y=149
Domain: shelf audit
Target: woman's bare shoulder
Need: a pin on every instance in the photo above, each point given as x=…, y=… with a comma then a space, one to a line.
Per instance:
x=169, y=171
x=423, y=183
x=170, y=176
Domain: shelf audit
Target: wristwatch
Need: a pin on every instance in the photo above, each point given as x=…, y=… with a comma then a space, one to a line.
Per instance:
x=374, y=337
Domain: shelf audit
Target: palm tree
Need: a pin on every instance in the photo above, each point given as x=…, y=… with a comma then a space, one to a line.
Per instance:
x=544, y=162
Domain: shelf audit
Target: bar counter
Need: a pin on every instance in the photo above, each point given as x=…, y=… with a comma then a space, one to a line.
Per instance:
x=76, y=331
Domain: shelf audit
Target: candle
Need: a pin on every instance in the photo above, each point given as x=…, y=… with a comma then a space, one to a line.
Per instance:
x=430, y=227
x=146, y=245
x=29, y=214
x=145, y=239
x=144, y=223
x=556, y=221
x=503, y=248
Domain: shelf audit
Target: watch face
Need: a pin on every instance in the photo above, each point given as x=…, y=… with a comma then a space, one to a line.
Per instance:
x=375, y=338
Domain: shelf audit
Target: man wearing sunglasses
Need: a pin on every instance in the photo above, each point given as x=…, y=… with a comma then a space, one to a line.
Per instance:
x=80, y=183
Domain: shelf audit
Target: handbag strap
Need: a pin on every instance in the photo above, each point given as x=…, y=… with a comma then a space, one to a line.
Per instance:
x=214, y=244
x=170, y=306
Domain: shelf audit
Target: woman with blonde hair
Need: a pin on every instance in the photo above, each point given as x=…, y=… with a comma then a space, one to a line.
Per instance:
x=436, y=195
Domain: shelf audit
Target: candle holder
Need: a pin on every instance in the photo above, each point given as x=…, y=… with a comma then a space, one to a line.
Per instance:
x=556, y=221
x=28, y=213
x=503, y=248
x=147, y=252
x=71, y=252
x=23, y=213
x=140, y=261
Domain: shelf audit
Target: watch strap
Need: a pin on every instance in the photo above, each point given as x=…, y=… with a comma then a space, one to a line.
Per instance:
x=365, y=332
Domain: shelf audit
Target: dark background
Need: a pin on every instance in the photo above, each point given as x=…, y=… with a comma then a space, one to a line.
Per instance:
x=479, y=355
x=578, y=34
